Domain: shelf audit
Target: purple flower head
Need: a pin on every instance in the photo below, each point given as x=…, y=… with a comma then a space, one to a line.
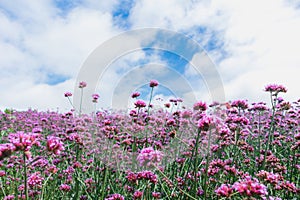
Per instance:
x=149, y=156
x=22, y=141
x=156, y=195
x=260, y=106
x=9, y=197
x=35, y=180
x=200, y=106
x=6, y=150
x=115, y=197
x=65, y=187
x=137, y=194
x=204, y=122
x=153, y=83
x=55, y=145
x=280, y=99
x=224, y=190
x=82, y=84
x=95, y=97
x=140, y=104
x=135, y=95
x=242, y=104
x=68, y=94
x=250, y=187
x=275, y=88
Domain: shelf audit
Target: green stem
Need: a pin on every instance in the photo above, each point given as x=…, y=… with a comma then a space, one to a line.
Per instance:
x=196, y=161
x=25, y=176
x=148, y=112
x=271, y=130
x=207, y=165
x=184, y=192
x=43, y=189
x=71, y=103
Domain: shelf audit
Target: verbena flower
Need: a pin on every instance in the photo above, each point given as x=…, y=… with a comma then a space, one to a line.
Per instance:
x=68, y=94
x=204, y=122
x=95, y=97
x=242, y=104
x=35, y=180
x=250, y=187
x=115, y=197
x=140, y=104
x=65, y=187
x=153, y=83
x=137, y=194
x=275, y=88
x=135, y=95
x=22, y=141
x=200, y=106
x=6, y=150
x=224, y=190
x=149, y=156
x=55, y=145
x=82, y=84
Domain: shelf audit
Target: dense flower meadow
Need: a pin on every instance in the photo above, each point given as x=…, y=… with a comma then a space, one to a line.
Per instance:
x=233, y=150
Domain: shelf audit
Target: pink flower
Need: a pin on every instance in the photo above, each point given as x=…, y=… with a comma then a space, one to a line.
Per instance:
x=156, y=195
x=153, y=83
x=35, y=180
x=200, y=106
x=242, y=104
x=22, y=141
x=82, y=84
x=65, y=187
x=2, y=173
x=250, y=187
x=204, y=122
x=149, y=156
x=224, y=190
x=95, y=97
x=135, y=95
x=68, y=94
x=137, y=194
x=167, y=105
x=55, y=145
x=115, y=197
x=6, y=150
x=275, y=88
x=9, y=197
x=140, y=104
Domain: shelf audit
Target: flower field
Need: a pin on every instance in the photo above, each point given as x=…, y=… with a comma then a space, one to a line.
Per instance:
x=233, y=150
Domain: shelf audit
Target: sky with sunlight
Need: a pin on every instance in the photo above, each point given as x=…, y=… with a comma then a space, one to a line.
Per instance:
x=43, y=45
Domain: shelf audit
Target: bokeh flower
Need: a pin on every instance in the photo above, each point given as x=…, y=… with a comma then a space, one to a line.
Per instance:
x=153, y=83
x=82, y=84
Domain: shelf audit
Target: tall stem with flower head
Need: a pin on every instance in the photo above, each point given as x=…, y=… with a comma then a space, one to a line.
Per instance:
x=149, y=104
x=82, y=85
x=68, y=95
x=25, y=176
x=152, y=84
x=274, y=90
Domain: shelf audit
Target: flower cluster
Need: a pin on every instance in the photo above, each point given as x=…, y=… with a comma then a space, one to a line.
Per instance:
x=95, y=97
x=82, y=84
x=55, y=145
x=153, y=83
x=275, y=88
x=149, y=156
x=140, y=104
x=250, y=187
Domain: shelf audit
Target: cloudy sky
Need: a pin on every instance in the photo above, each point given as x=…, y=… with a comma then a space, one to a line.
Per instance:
x=45, y=44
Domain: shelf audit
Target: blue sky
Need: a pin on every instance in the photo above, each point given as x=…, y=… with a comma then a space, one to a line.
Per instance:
x=43, y=45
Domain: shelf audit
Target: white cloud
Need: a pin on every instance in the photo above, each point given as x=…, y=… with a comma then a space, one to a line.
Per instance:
x=258, y=44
